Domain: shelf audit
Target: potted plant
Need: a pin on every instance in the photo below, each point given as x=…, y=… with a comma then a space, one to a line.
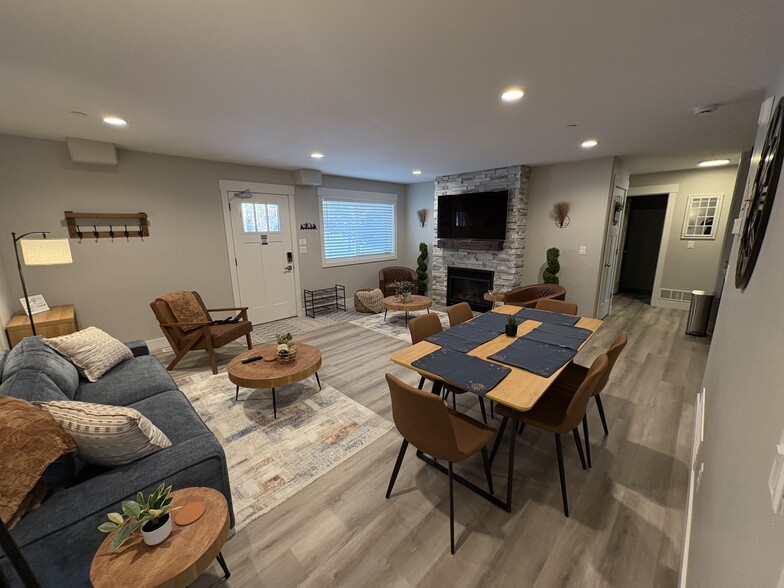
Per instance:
x=403, y=291
x=553, y=267
x=421, y=270
x=286, y=353
x=152, y=516
x=511, y=326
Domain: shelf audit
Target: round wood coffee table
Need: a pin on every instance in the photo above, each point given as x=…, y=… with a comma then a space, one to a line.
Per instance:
x=268, y=373
x=416, y=302
x=179, y=560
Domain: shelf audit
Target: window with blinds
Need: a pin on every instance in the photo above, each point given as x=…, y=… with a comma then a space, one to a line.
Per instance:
x=358, y=230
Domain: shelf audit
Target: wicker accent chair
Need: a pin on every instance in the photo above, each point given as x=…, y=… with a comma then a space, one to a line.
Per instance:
x=527, y=296
x=395, y=273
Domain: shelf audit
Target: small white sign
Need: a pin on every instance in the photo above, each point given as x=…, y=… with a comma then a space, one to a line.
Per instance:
x=37, y=304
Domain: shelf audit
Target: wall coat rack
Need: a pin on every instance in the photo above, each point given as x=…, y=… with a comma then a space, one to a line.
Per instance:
x=106, y=225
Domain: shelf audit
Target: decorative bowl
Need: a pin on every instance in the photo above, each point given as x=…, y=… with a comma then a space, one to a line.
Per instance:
x=288, y=357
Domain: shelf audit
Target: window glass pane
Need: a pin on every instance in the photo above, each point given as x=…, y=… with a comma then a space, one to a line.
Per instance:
x=248, y=218
x=354, y=229
x=273, y=213
x=261, y=218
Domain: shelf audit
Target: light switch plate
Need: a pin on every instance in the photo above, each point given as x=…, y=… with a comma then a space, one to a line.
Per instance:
x=690, y=245
x=303, y=249
x=736, y=226
x=583, y=249
x=303, y=241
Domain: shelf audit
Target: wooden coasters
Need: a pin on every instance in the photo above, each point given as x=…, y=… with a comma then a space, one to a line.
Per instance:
x=190, y=513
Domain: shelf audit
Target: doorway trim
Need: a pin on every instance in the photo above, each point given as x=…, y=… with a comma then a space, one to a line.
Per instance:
x=672, y=193
x=227, y=186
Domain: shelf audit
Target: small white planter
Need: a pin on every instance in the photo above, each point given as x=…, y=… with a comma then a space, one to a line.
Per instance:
x=159, y=535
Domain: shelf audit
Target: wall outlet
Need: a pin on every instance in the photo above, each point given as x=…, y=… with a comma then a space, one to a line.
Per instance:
x=583, y=249
x=690, y=245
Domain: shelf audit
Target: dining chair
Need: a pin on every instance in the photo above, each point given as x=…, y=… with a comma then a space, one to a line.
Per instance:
x=421, y=328
x=459, y=313
x=557, y=412
x=436, y=430
x=556, y=306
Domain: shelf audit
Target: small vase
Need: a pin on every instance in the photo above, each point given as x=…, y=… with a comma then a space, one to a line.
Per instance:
x=159, y=534
x=404, y=298
x=510, y=330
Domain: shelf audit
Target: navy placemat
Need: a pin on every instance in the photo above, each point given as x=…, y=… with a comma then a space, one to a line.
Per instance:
x=559, y=335
x=462, y=338
x=493, y=321
x=535, y=357
x=464, y=371
x=544, y=316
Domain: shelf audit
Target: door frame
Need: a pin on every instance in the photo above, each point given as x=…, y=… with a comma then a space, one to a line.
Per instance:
x=618, y=183
x=227, y=186
x=672, y=193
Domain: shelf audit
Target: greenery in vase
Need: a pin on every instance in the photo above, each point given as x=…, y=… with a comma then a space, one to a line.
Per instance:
x=403, y=290
x=421, y=270
x=283, y=343
x=553, y=267
x=136, y=513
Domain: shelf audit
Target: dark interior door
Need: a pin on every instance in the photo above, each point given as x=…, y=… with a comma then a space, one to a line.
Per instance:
x=641, y=246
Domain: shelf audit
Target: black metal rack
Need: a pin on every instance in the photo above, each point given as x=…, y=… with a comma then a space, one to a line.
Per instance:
x=333, y=298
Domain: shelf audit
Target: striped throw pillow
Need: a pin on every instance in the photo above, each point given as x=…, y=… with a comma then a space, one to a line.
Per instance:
x=91, y=350
x=107, y=435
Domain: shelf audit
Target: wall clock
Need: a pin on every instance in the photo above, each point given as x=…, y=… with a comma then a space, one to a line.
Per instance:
x=761, y=198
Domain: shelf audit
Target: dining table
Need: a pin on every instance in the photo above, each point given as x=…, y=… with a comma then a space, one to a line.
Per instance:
x=519, y=390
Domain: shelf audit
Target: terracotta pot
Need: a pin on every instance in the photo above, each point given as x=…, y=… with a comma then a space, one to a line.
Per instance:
x=158, y=535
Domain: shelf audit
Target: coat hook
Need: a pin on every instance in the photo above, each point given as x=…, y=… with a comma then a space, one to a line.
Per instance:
x=111, y=232
x=127, y=234
x=95, y=233
x=79, y=233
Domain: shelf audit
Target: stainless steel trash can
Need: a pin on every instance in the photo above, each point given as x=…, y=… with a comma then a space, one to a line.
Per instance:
x=699, y=313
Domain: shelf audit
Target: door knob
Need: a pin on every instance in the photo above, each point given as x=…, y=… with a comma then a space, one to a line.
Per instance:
x=288, y=268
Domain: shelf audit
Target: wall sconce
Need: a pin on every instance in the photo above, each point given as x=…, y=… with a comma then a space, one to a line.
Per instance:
x=560, y=213
x=422, y=214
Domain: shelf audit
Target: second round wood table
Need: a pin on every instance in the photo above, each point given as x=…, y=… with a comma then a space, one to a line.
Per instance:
x=415, y=302
x=271, y=374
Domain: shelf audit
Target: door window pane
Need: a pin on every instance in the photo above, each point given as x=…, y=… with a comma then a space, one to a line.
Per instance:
x=260, y=218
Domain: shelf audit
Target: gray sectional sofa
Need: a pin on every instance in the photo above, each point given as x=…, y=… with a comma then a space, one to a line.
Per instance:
x=60, y=538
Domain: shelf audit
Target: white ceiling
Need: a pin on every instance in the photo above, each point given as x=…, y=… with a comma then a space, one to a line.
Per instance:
x=385, y=87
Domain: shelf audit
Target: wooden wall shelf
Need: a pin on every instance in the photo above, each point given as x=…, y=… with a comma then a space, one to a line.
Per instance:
x=473, y=244
x=106, y=225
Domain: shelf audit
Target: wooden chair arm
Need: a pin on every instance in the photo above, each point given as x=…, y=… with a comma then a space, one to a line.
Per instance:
x=184, y=324
x=228, y=308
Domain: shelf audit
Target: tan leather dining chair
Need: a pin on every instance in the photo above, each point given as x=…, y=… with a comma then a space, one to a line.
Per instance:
x=459, y=313
x=427, y=424
x=558, y=412
x=421, y=328
x=556, y=306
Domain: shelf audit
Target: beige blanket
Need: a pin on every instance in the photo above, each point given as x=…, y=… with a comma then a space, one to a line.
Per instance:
x=186, y=309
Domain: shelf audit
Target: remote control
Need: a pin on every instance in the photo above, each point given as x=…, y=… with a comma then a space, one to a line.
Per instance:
x=251, y=358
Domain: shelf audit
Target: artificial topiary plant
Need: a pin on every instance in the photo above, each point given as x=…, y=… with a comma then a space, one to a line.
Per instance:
x=553, y=267
x=421, y=270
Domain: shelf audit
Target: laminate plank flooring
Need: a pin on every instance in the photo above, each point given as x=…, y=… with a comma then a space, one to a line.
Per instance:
x=627, y=512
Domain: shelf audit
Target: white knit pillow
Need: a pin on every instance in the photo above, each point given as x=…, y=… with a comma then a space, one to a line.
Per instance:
x=372, y=299
x=107, y=435
x=92, y=351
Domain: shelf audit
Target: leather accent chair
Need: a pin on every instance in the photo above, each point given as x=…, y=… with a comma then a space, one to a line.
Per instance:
x=389, y=275
x=553, y=305
x=527, y=296
x=426, y=423
x=203, y=335
x=459, y=313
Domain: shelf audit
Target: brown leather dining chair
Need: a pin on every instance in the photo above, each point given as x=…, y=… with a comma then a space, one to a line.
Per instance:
x=556, y=306
x=558, y=411
x=427, y=424
x=459, y=313
x=421, y=328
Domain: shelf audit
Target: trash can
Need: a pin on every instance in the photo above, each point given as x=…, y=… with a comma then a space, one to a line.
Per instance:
x=699, y=313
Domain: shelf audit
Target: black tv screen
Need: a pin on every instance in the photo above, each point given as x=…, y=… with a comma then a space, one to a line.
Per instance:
x=478, y=215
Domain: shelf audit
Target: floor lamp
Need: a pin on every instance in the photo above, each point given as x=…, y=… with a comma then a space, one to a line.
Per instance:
x=39, y=252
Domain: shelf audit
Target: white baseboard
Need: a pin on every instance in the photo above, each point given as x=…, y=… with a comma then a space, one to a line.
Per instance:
x=679, y=304
x=156, y=345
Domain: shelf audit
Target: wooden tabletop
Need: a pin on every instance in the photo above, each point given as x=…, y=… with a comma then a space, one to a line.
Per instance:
x=176, y=562
x=520, y=389
x=55, y=314
x=415, y=303
x=271, y=374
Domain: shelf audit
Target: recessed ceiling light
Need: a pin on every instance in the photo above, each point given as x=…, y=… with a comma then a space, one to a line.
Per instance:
x=114, y=121
x=512, y=94
x=713, y=163
x=588, y=143
x=417, y=172
x=317, y=155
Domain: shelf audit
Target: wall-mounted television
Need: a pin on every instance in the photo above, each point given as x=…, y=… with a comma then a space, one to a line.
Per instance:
x=477, y=215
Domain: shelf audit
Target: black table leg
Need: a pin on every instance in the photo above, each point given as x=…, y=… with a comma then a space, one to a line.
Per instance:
x=385, y=315
x=224, y=567
x=318, y=381
x=406, y=319
x=274, y=405
x=237, y=393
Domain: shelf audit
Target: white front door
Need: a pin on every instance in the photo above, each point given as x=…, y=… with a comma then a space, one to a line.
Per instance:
x=610, y=255
x=263, y=255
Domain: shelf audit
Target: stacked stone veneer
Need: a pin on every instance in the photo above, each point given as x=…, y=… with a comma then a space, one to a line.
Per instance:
x=507, y=264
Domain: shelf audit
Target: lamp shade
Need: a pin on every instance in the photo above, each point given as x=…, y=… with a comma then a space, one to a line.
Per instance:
x=46, y=251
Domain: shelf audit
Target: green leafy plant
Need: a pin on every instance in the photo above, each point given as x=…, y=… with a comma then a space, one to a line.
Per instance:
x=284, y=339
x=511, y=321
x=553, y=267
x=403, y=290
x=421, y=270
x=136, y=513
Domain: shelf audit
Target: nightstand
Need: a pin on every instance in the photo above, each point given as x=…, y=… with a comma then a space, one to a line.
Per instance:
x=58, y=320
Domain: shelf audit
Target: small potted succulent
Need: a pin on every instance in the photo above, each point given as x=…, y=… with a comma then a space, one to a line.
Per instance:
x=286, y=352
x=511, y=326
x=403, y=291
x=152, y=516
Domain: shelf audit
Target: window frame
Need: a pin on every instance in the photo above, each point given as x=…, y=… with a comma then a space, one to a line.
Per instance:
x=685, y=236
x=362, y=197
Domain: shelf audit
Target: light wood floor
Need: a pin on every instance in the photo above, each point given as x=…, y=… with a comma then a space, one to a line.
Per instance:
x=627, y=512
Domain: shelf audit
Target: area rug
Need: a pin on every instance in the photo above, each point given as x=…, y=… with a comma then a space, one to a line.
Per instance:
x=395, y=325
x=272, y=459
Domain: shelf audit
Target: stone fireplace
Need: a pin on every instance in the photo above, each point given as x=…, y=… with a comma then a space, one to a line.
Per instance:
x=468, y=285
x=506, y=266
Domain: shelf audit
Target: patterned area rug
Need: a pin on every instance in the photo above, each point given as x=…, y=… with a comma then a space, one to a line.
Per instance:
x=271, y=459
x=395, y=325
x=266, y=332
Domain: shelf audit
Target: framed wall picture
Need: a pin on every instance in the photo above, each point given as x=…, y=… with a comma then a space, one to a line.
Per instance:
x=37, y=304
x=702, y=216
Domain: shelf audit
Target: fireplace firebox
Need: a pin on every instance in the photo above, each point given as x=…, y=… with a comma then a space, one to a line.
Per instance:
x=468, y=285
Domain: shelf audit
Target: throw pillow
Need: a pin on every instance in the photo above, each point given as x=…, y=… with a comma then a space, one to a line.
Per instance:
x=186, y=309
x=107, y=435
x=373, y=299
x=92, y=351
x=30, y=440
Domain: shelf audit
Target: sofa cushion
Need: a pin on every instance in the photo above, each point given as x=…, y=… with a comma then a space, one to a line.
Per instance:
x=173, y=414
x=3, y=356
x=31, y=384
x=31, y=353
x=128, y=382
x=91, y=350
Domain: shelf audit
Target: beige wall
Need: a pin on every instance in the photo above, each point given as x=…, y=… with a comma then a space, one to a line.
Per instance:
x=697, y=268
x=112, y=283
x=585, y=185
x=7, y=302
x=419, y=196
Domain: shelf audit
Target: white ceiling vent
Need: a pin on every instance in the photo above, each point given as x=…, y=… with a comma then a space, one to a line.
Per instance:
x=93, y=152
